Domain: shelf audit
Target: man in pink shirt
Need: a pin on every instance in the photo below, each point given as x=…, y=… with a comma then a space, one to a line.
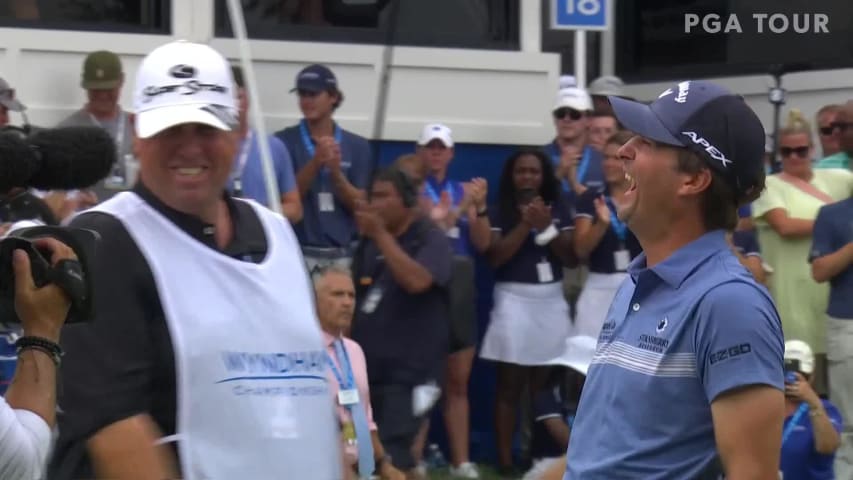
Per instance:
x=348, y=377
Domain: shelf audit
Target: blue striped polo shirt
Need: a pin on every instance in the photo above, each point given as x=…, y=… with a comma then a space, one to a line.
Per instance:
x=676, y=336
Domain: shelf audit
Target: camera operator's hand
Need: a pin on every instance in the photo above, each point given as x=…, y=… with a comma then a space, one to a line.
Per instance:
x=42, y=310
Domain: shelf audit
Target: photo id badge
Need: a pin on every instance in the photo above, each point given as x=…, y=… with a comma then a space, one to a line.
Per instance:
x=621, y=259
x=326, y=201
x=348, y=397
x=453, y=232
x=374, y=296
x=543, y=269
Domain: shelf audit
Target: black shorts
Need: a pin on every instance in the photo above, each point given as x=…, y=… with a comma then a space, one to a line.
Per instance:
x=463, y=304
x=398, y=426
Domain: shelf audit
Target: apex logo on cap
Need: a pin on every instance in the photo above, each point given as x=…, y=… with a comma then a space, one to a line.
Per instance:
x=713, y=151
x=183, y=71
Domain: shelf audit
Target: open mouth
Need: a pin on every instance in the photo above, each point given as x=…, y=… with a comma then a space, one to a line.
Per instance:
x=632, y=183
x=189, y=171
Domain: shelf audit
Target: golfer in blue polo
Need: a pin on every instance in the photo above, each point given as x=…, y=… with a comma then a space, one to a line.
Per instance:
x=687, y=380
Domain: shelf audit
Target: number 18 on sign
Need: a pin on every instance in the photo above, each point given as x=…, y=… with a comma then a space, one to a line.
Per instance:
x=580, y=14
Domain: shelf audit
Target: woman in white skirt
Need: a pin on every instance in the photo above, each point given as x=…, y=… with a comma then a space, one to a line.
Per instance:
x=530, y=321
x=602, y=241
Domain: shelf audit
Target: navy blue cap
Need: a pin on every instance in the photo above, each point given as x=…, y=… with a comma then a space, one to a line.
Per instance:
x=316, y=78
x=707, y=119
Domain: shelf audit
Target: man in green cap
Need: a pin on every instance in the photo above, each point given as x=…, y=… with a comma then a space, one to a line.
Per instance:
x=102, y=79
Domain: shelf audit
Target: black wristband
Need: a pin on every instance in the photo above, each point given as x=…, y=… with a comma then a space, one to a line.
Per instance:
x=51, y=348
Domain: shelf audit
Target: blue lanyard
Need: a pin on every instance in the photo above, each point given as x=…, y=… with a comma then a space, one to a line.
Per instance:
x=618, y=225
x=435, y=196
x=311, y=149
x=582, y=167
x=309, y=144
x=794, y=421
x=343, y=359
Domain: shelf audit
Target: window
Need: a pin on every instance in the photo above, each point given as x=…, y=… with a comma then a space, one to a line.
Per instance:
x=135, y=16
x=485, y=24
x=653, y=42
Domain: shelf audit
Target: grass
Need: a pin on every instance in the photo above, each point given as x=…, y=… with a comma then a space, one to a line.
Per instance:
x=486, y=473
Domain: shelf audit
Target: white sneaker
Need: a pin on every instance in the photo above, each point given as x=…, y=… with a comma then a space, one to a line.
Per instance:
x=465, y=470
x=421, y=470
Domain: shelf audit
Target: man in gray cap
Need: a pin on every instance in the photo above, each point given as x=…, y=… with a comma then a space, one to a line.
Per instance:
x=102, y=78
x=602, y=87
x=8, y=103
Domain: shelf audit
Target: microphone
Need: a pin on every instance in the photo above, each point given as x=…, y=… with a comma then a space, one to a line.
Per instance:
x=56, y=159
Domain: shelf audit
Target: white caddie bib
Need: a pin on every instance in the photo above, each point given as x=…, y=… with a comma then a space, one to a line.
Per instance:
x=253, y=400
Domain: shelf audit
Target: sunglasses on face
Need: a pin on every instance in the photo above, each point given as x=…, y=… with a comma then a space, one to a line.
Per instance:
x=573, y=114
x=827, y=130
x=799, y=151
x=839, y=125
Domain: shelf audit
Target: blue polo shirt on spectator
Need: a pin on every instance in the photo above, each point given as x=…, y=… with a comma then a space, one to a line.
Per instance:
x=746, y=243
x=677, y=336
x=460, y=238
x=590, y=173
x=250, y=172
x=833, y=229
x=601, y=259
x=335, y=228
x=521, y=268
x=799, y=460
x=547, y=404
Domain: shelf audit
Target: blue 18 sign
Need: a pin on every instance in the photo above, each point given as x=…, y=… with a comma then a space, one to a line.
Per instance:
x=580, y=14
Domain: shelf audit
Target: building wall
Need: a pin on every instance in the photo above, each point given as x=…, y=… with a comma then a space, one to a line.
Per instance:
x=500, y=97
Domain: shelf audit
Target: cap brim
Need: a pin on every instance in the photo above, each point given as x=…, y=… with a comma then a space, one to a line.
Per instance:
x=102, y=85
x=308, y=88
x=444, y=141
x=639, y=118
x=151, y=122
x=13, y=105
x=578, y=354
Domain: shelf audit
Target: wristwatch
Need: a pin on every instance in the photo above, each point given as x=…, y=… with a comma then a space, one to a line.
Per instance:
x=482, y=213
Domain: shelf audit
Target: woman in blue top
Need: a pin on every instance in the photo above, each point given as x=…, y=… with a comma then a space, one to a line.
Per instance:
x=810, y=436
x=603, y=241
x=530, y=322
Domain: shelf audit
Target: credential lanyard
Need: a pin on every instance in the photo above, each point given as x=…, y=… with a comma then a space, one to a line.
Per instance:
x=619, y=227
x=119, y=138
x=343, y=359
x=311, y=149
x=794, y=421
x=241, y=163
x=583, y=167
x=435, y=196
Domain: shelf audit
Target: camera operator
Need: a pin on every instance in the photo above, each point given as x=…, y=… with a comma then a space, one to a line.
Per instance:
x=29, y=410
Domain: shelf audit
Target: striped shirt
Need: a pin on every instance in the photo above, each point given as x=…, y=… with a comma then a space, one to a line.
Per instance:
x=677, y=335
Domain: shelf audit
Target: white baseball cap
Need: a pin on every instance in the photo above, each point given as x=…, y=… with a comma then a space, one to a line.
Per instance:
x=183, y=82
x=435, y=131
x=567, y=81
x=578, y=354
x=573, y=97
x=800, y=350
